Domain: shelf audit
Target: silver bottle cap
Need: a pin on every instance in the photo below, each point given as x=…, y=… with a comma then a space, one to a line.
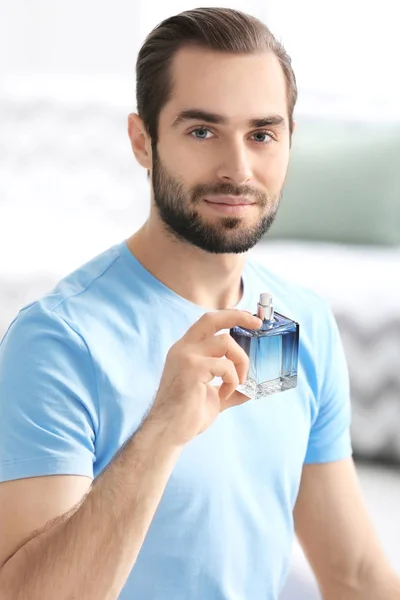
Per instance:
x=265, y=307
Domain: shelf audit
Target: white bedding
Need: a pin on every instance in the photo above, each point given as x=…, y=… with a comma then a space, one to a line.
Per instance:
x=365, y=279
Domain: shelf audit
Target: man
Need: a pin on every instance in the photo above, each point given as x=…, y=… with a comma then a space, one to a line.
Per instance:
x=125, y=473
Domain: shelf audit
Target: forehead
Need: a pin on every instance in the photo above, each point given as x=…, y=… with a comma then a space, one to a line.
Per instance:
x=236, y=85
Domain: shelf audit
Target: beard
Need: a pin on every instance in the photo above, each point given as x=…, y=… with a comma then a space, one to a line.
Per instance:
x=177, y=208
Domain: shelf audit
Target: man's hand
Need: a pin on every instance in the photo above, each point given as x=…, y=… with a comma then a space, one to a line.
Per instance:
x=185, y=401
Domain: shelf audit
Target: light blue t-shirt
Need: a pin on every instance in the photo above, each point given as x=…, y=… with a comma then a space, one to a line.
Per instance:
x=79, y=370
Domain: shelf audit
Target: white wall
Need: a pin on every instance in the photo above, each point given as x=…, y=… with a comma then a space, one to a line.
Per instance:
x=82, y=36
x=346, y=48
x=345, y=53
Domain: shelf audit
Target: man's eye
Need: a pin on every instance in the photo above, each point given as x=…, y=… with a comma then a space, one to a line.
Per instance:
x=261, y=135
x=199, y=133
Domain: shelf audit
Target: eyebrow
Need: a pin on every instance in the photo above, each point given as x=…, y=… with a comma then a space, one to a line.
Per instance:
x=194, y=114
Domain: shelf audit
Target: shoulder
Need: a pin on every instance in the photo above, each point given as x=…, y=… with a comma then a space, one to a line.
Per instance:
x=75, y=297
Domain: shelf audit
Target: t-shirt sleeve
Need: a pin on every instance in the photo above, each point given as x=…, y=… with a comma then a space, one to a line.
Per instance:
x=329, y=438
x=48, y=415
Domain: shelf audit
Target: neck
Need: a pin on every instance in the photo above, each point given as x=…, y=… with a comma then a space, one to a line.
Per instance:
x=209, y=280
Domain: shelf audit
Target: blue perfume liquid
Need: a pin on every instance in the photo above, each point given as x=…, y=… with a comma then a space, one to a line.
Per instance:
x=273, y=356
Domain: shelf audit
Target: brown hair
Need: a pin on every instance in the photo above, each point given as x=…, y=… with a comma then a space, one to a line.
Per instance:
x=221, y=29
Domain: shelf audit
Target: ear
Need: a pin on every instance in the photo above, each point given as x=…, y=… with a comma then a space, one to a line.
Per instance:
x=140, y=141
x=294, y=124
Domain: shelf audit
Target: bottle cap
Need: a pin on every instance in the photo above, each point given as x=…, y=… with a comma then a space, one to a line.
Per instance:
x=265, y=308
x=265, y=299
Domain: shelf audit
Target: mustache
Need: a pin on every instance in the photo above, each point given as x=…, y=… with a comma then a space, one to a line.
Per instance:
x=227, y=189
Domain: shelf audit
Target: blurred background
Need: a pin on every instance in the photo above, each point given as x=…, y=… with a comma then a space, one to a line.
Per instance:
x=70, y=186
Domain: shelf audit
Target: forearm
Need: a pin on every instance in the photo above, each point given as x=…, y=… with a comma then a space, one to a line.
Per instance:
x=89, y=553
x=371, y=584
x=380, y=585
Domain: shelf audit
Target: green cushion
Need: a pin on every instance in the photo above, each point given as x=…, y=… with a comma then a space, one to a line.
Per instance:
x=343, y=184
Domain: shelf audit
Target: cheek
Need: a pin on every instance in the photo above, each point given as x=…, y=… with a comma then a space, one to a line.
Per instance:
x=197, y=152
x=271, y=169
x=188, y=163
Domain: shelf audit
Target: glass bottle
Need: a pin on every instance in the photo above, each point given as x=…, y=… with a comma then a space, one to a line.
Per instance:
x=272, y=350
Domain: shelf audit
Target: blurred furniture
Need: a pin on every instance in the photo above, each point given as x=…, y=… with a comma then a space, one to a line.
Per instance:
x=362, y=284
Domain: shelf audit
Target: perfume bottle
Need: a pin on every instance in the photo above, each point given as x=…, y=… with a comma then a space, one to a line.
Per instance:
x=272, y=350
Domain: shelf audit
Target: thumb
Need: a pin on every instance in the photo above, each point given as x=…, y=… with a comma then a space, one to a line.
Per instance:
x=234, y=399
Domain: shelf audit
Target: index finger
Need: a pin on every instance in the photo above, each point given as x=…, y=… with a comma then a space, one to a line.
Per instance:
x=212, y=322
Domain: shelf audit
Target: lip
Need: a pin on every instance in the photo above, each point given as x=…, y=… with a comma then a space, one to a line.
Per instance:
x=229, y=200
x=231, y=208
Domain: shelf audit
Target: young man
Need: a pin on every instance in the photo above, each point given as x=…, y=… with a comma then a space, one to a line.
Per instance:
x=125, y=474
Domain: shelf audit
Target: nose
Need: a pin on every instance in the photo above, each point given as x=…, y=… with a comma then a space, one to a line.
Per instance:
x=235, y=164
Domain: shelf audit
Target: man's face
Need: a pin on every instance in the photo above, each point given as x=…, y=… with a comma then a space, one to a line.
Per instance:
x=218, y=169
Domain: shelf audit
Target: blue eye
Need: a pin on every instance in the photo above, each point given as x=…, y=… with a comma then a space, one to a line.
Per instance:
x=201, y=129
x=263, y=134
x=200, y=133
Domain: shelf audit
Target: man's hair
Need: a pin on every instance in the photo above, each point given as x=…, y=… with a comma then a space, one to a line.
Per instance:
x=220, y=29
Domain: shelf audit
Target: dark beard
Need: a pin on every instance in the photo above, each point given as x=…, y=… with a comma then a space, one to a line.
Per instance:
x=184, y=222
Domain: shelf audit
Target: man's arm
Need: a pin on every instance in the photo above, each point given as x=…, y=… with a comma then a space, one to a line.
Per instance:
x=88, y=552
x=337, y=536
